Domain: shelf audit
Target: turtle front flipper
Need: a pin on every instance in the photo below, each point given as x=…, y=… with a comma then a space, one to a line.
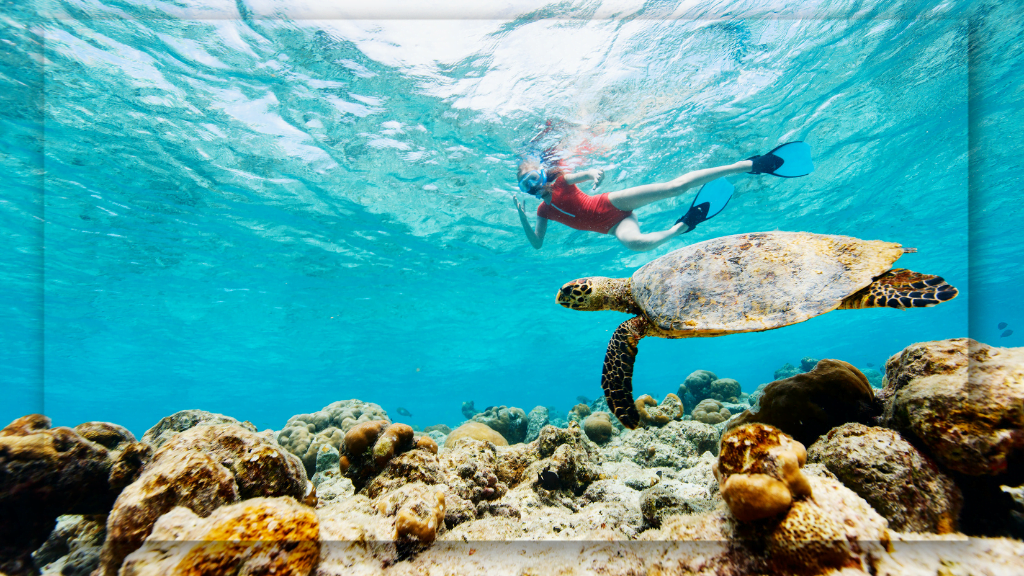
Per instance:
x=900, y=288
x=617, y=376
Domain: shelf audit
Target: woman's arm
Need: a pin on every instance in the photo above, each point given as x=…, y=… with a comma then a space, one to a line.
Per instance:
x=536, y=238
x=576, y=177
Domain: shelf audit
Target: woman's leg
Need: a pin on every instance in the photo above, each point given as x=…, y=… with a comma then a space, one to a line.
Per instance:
x=628, y=232
x=633, y=198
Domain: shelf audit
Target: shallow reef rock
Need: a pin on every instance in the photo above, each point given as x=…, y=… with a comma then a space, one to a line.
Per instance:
x=678, y=444
x=259, y=536
x=73, y=548
x=834, y=529
x=48, y=472
x=758, y=469
x=672, y=497
x=169, y=426
x=654, y=414
x=511, y=423
x=201, y=469
x=962, y=400
x=535, y=420
x=901, y=483
x=805, y=406
x=304, y=434
x=476, y=431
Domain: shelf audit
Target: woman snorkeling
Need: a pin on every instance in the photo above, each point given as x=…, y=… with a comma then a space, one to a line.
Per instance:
x=612, y=212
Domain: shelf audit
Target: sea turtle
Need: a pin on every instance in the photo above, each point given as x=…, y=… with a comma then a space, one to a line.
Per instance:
x=744, y=283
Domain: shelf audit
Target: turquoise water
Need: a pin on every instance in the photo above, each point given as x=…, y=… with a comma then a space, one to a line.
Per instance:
x=258, y=208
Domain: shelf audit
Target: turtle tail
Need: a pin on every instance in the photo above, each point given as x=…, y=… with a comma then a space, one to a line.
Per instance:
x=900, y=288
x=617, y=376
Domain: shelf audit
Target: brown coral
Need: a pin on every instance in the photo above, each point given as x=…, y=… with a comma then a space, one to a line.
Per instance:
x=419, y=519
x=378, y=456
x=476, y=431
x=710, y=411
x=805, y=406
x=654, y=414
x=758, y=470
x=598, y=427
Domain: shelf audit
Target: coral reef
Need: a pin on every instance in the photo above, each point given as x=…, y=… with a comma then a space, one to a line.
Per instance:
x=168, y=426
x=676, y=445
x=511, y=423
x=476, y=431
x=697, y=385
x=725, y=390
x=961, y=400
x=902, y=484
x=758, y=470
x=304, y=434
x=672, y=497
x=419, y=519
x=875, y=378
x=48, y=472
x=259, y=536
x=710, y=411
x=468, y=411
x=579, y=412
x=808, y=405
x=788, y=370
x=202, y=469
x=598, y=427
x=835, y=529
x=568, y=460
x=535, y=420
x=217, y=498
x=654, y=414
x=378, y=457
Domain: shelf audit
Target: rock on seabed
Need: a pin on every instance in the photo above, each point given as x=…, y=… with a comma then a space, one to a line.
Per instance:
x=962, y=400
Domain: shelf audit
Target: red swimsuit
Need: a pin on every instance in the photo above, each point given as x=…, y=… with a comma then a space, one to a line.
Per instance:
x=575, y=209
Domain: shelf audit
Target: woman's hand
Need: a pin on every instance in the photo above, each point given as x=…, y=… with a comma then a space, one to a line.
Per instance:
x=519, y=204
x=597, y=175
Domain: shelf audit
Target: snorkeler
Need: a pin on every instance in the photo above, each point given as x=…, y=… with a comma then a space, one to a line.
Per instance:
x=612, y=212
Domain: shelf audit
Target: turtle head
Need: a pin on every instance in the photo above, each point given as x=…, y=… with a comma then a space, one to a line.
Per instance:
x=597, y=293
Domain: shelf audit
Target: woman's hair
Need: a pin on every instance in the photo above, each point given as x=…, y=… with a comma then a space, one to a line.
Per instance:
x=527, y=165
x=553, y=171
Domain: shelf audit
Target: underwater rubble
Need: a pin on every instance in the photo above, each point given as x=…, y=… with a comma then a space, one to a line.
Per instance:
x=820, y=473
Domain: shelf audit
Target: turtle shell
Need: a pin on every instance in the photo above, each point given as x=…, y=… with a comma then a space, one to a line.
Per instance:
x=758, y=281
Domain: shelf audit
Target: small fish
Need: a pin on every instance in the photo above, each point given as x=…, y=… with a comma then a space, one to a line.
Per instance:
x=403, y=412
x=1006, y=333
x=583, y=399
x=1002, y=325
x=870, y=365
x=549, y=480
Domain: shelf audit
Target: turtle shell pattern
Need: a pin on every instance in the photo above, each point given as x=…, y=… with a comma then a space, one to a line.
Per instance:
x=757, y=281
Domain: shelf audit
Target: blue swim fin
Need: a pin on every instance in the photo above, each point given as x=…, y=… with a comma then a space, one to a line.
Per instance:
x=790, y=160
x=711, y=200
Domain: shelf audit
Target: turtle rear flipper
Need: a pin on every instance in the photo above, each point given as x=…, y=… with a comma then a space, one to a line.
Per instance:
x=617, y=376
x=901, y=288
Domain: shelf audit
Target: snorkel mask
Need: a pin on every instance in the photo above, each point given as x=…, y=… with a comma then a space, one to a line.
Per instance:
x=533, y=180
